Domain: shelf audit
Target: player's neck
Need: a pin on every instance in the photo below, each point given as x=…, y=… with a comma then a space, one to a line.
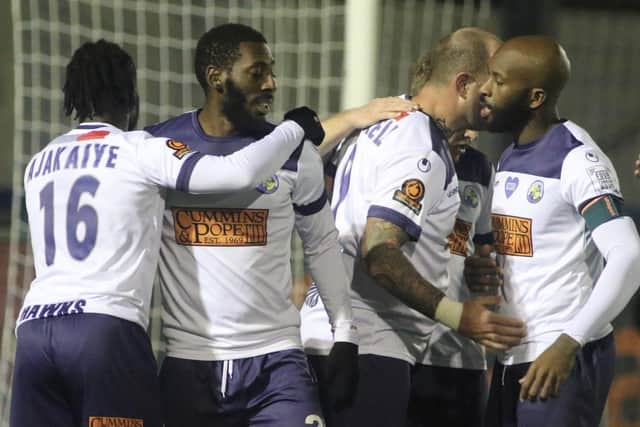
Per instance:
x=432, y=100
x=120, y=123
x=539, y=125
x=213, y=122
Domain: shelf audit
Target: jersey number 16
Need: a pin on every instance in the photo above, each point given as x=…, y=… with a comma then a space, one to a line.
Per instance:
x=76, y=214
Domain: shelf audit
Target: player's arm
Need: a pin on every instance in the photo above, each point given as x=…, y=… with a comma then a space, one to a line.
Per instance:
x=597, y=198
x=619, y=243
x=340, y=125
x=172, y=164
x=637, y=170
x=387, y=264
x=323, y=260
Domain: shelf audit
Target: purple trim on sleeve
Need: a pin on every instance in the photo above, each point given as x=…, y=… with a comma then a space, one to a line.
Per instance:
x=483, y=239
x=396, y=218
x=184, y=176
x=313, y=207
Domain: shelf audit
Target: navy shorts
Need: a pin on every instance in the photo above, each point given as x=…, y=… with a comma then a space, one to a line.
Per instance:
x=272, y=390
x=382, y=397
x=580, y=402
x=449, y=397
x=84, y=370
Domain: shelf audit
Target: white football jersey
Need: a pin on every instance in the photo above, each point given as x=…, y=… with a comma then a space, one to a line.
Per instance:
x=95, y=199
x=225, y=259
x=549, y=259
x=473, y=225
x=399, y=170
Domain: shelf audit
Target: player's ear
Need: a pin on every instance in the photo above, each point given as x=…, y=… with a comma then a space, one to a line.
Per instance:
x=537, y=96
x=214, y=77
x=462, y=81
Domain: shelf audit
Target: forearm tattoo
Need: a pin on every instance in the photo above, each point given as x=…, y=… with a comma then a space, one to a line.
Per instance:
x=391, y=269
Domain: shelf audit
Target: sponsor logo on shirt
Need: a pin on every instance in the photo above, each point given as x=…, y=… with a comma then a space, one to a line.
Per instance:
x=180, y=148
x=512, y=235
x=220, y=226
x=115, y=422
x=535, y=191
x=510, y=185
x=602, y=179
x=410, y=194
x=459, y=237
x=470, y=197
x=269, y=186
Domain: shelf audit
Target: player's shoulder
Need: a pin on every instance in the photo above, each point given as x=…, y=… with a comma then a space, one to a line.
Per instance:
x=416, y=130
x=547, y=156
x=304, y=157
x=474, y=166
x=136, y=136
x=585, y=154
x=167, y=127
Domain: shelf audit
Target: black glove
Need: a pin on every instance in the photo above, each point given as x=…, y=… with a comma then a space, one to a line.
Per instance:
x=309, y=121
x=343, y=374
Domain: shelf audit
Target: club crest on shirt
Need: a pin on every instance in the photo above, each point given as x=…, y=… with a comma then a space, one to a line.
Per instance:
x=470, y=197
x=510, y=185
x=269, y=186
x=180, y=148
x=410, y=194
x=313, y=295
x=535, y=191
x=424, y=165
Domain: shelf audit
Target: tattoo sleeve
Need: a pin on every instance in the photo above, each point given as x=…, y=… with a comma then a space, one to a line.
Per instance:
x=391, y=269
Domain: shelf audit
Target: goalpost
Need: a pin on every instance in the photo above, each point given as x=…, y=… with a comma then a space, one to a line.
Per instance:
x=307, y=38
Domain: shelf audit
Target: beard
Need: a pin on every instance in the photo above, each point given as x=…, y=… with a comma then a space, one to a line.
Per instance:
x=235, y=109
x=511, y=116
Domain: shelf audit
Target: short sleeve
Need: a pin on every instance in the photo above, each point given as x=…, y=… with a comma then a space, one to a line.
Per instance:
x=410, y=180
x=586, y=174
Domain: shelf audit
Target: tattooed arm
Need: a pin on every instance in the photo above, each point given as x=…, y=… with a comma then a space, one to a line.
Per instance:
x=391, y=269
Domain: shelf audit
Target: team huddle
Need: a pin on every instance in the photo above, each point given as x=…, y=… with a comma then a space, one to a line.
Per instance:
x=423, y=255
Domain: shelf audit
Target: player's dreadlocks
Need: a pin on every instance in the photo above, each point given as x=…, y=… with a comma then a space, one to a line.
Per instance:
x=220, y=47
x=100, y=80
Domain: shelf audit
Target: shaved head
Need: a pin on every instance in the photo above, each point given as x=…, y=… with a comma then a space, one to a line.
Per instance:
x=538, y=60
x=466, y=50
x=527, y=75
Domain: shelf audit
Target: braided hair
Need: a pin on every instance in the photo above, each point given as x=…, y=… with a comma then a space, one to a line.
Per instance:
x=220, y=47
x=100, y=81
